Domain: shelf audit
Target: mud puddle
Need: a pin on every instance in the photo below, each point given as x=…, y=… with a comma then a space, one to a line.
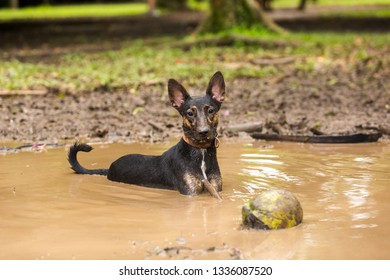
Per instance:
x=48, y=212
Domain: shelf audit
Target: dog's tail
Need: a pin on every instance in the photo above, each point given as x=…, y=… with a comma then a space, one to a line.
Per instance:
x=72, y=158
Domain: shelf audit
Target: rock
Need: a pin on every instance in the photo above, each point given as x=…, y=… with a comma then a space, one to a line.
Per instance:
x=272, y=209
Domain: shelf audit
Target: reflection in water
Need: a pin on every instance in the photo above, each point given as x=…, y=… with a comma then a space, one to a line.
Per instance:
x=261, y=169
x=359, y=196
x=341, y=182
x=47, y=212
x=354, y=182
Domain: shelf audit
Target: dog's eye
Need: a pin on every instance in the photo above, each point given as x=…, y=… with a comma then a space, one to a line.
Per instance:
x=190, y=113
x=211, y=111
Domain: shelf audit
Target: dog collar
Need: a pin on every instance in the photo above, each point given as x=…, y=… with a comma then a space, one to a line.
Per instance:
x=214, y=143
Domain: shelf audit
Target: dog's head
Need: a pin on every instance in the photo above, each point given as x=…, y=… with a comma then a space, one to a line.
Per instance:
x=200, y=113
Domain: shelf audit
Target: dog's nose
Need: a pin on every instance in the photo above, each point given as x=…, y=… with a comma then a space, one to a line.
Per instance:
x=203, y=132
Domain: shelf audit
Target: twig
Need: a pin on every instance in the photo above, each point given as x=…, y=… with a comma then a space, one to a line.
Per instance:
x=156, y=126
x=211, y=190
x=381, y=128
x=384, y=129
x=230, y=40
x=6, y=92
x=316, y=131
x=273, y=61
x=352, y=138
x=246, y=127
x=278, y=128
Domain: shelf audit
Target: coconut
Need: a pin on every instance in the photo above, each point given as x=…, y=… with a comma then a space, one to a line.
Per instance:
x=272, y=209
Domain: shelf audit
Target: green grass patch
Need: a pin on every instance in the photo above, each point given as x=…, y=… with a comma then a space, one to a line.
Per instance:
x=382, y=13
x=294, y=3
x=155, y=61
x=74, y=11
x=130, y=9
x=198, y=5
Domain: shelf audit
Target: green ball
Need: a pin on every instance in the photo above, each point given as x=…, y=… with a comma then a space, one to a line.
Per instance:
x=272, y=209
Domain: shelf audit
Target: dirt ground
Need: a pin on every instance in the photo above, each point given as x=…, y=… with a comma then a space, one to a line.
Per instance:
x=299, y=104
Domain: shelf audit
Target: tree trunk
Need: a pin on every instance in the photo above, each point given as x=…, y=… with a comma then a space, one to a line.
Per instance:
x=302, y=5
x=14, y=4
x=265, y=4
x=173, y=5
x=226, y=14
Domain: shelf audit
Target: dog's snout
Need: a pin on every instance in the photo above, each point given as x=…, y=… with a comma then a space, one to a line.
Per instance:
x=204, y=132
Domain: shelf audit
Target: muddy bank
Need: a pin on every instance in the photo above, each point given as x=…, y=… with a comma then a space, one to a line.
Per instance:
x=297, y=104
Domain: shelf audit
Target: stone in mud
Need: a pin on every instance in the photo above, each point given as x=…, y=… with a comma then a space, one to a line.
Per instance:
x=272, y=209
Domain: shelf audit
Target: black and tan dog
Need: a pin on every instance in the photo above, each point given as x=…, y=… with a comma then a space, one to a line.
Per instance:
x=191, y=165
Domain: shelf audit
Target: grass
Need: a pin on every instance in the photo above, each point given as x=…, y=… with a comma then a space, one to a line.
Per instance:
x=147, y=62
x=84, y=10
x=294, y=3
x=382, y=13
x=130, y=9
x=74, y=11
x=139, y=62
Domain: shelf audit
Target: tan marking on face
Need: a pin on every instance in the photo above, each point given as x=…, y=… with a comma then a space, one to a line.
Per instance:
x=214, y=120
x=187, y=123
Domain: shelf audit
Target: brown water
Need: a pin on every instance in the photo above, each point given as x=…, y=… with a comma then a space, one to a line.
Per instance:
x=48, y=212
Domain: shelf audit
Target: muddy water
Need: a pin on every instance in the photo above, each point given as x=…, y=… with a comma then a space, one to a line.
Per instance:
x=47, y=212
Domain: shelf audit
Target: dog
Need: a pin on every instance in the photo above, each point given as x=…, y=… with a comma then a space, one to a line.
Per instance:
x=191, y=165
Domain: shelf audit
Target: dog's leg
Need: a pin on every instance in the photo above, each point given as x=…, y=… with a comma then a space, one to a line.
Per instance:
x=212, y=190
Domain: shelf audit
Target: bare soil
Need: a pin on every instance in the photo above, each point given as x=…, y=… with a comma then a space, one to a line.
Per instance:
x=111, y=116
x=298, y=103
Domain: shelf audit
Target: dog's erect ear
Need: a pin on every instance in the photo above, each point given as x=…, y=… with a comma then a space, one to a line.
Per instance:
x=177, y=93
x=216, y=88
